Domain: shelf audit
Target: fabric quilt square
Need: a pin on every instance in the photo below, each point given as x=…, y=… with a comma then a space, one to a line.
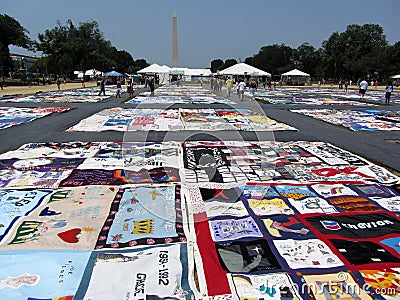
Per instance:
x=335, y=286
x=392, y=243
x=374, y=190
x=14, y=204
x=313, y=205
x=363, y=252
x=355, y=225
x=143, y=215
x=41, y=275
x=274, y=286
x=69, y=218
x=333, y=190
x=266, y=207
x=233, y=229
x=286, y=227
x=151, y=273
x=354, y=204
x=295, y=192
x=312, y=253
x=247, y=257
x=391, y=204
x=386, y=282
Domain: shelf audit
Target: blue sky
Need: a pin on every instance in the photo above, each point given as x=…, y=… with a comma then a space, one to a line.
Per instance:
x=207, y=29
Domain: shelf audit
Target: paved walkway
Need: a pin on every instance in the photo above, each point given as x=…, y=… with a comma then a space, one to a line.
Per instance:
x=26, y=90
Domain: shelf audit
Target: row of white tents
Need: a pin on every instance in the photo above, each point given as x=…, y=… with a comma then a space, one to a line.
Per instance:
x=241, y=69
x=164, y=73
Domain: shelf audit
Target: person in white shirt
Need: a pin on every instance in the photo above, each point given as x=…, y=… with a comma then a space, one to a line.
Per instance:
x=241, y=88
x=363, y=88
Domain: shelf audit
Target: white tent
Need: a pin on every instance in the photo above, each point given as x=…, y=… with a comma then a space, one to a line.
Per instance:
x=152, y=69
x=93, y=72
x=295, y=77
x=161, y=71
x=395, y=77
x=243, y=69
x=188, y=74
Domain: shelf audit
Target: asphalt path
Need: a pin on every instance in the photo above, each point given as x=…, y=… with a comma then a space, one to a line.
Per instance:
x=376, y=146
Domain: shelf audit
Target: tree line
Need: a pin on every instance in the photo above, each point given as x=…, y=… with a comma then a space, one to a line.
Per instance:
x=361, y=51
x=65, y=48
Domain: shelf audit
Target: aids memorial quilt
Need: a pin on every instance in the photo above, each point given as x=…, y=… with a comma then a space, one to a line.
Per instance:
x=371, y=120
x=142, y=119
x=196, y=220
x=11, y=116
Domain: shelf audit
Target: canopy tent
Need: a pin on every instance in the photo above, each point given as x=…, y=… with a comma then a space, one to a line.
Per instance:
x=154, y=69
x=295, y=77
x=198, y=72
x=112, y=74
x=395, y=77
x=93, y=72
x=161, y=71
x=79, y=74
x=243, y=69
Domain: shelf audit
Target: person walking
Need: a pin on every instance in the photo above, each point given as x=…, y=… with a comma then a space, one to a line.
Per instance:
x=388, y=90
x=102, y=87
x=253, y=87
x=229, y=84
x=363, y=88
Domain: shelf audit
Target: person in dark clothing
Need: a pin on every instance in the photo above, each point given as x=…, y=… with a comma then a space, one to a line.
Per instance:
x=151, y=85
x=102, y=87
x=388, y=90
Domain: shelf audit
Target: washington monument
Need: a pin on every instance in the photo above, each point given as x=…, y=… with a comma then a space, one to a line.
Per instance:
x=174, y=41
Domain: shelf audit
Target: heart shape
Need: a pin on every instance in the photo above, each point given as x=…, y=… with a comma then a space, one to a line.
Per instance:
x=70, y=236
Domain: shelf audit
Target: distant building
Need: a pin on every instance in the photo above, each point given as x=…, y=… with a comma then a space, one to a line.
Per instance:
x=24, y=62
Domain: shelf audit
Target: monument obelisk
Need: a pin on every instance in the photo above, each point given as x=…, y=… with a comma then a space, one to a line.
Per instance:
x=174, y=41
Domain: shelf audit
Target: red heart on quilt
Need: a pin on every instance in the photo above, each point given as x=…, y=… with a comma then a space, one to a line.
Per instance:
x=70, y=236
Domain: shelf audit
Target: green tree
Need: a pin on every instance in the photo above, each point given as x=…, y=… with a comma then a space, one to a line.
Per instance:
x=68, y=48
x=355, y=53
x=228, y=63
x=216, y=64
x=392, y=60
x=11, y=33
x=140, y=64
x=275, y=59
x=307, y=59
x=124, y=61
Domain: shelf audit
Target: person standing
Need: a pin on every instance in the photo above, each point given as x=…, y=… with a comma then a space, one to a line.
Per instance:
x=102, y=87
x=363, y=88
x=131, y=89
x=241, y=88
x=151, y=85
x=58, y=82
x=388, y=90
x=229, y=84
x=119, y=89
